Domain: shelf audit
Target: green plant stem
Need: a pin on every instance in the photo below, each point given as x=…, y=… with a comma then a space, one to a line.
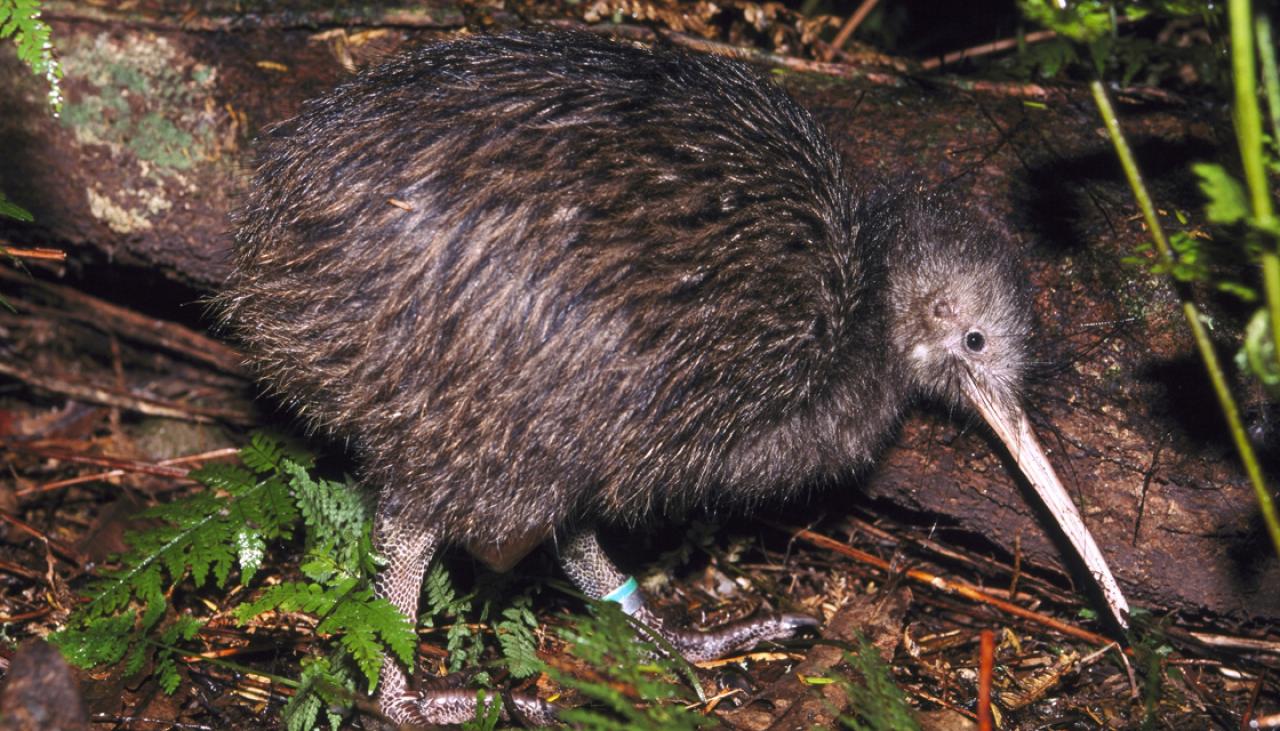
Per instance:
x=1247, y=115
x=1270, y=79
x=1203, y=344
x=1248, y=119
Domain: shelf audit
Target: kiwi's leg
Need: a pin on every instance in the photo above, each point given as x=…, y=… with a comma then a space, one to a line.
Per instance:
x=408, y=548
x=591, y=570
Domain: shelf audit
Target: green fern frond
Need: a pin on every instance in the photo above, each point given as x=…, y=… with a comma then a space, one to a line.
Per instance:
x=184, y=629
x=441, y=597
x=515, y=637
x=263, y=454
x=331, y=510
x=364, y=624
x=20, y=19
x=200, y=535
x=103, y=642
x=206, y=536
x=488, y=715
x=324, y=685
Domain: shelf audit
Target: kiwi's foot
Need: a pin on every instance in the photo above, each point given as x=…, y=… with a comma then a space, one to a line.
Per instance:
x=590, y=569
x=727, y=639
x=450, y=707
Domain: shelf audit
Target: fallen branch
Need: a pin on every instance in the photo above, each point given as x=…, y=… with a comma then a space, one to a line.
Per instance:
x=129, y=402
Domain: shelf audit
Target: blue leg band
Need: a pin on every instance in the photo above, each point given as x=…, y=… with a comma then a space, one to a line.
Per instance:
x=627, y=595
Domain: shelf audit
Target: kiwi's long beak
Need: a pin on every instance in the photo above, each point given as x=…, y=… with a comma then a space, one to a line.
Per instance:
x=1011, y=425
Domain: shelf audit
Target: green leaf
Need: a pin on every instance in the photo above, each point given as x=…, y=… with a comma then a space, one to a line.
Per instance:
x=168, y=677
x=10, y=209
x=359, y=640
x=331, y=510
x=1226, y=202
x=97, y=643
x=20, y=19
x=395, y=629
x=488, y=715
x=515, y=637
x=183, y=629
x=319, y=674
x=1243, y=291
x=262, y=454
x=250, y=549
x=1087, y=21
x=134, y=660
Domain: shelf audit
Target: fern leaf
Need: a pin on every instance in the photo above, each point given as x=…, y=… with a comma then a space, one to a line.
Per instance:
x=250, y=550
x=184, y=628
x=359, y=640
x=394, y=628
x=877, y=702
x=134, y=660
x=167, y=675
x=205, y=536
x=303, y=709
x=329, y=509
x=97, y=643
x=441, y=597
x=607, y=642
x=262, y=454
x=515, y=637
x=20, y=19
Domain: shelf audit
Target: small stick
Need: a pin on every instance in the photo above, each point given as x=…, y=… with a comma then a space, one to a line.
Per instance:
x=244, y=22
x=850, y=25
x=121, y=471
x=19, y=570
x=1272, y=721
x=986, y=49
x=986, y=668
x=162, y=722
x=128, y=465
x=15, y=618
x=1042, y=587
x=1017, y=566
x=924, y=696
x=1247, y=644
x=34, y=253
x=647, y=35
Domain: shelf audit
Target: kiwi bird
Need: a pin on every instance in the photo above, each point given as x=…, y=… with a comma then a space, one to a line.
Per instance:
x=542, y=280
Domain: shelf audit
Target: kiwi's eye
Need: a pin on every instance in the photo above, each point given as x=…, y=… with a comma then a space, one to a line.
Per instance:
x=975, y=341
